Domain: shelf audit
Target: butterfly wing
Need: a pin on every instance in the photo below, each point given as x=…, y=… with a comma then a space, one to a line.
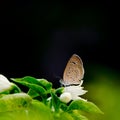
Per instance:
x=74, y=71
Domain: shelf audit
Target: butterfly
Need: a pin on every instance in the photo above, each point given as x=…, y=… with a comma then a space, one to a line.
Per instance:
x=74, y=72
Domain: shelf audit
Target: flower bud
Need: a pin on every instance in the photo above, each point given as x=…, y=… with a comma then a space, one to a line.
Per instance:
x=65, y=97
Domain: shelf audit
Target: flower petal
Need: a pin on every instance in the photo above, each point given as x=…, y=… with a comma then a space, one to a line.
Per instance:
x=4, y=83
x=75, y=91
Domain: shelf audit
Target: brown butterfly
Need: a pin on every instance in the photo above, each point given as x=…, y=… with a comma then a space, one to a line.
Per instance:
x=74, y=71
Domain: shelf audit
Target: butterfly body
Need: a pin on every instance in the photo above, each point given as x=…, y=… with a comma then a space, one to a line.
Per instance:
x=73, y=72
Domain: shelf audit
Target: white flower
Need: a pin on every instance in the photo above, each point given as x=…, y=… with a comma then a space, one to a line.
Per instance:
x=4, y=83
x=74, y=91
x=65, y=97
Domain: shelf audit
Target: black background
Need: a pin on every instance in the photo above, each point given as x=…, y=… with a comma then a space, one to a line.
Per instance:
x=37, y=38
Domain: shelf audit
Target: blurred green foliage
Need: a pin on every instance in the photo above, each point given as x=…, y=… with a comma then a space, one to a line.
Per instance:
x=23, y=106
x=37, y=111
x=103, y=88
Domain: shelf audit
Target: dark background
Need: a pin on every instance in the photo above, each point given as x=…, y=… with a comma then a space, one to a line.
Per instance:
x=37, y=38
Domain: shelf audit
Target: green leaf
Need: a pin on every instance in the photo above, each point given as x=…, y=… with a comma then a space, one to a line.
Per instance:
x=35, y=111
x=77, y=116
x=45, y=83
x=39, y=89
x=63, y=106
x=63, y=116
x=59, y=90
x=84, y=106
x=40, y=110
x=28, y=79
x=55, y=101
x=16, y=89
x=32, y=93
x=15, y=101
x=42, y=82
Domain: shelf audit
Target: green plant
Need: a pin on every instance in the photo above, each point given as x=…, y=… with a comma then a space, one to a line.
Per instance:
x=42, y=101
